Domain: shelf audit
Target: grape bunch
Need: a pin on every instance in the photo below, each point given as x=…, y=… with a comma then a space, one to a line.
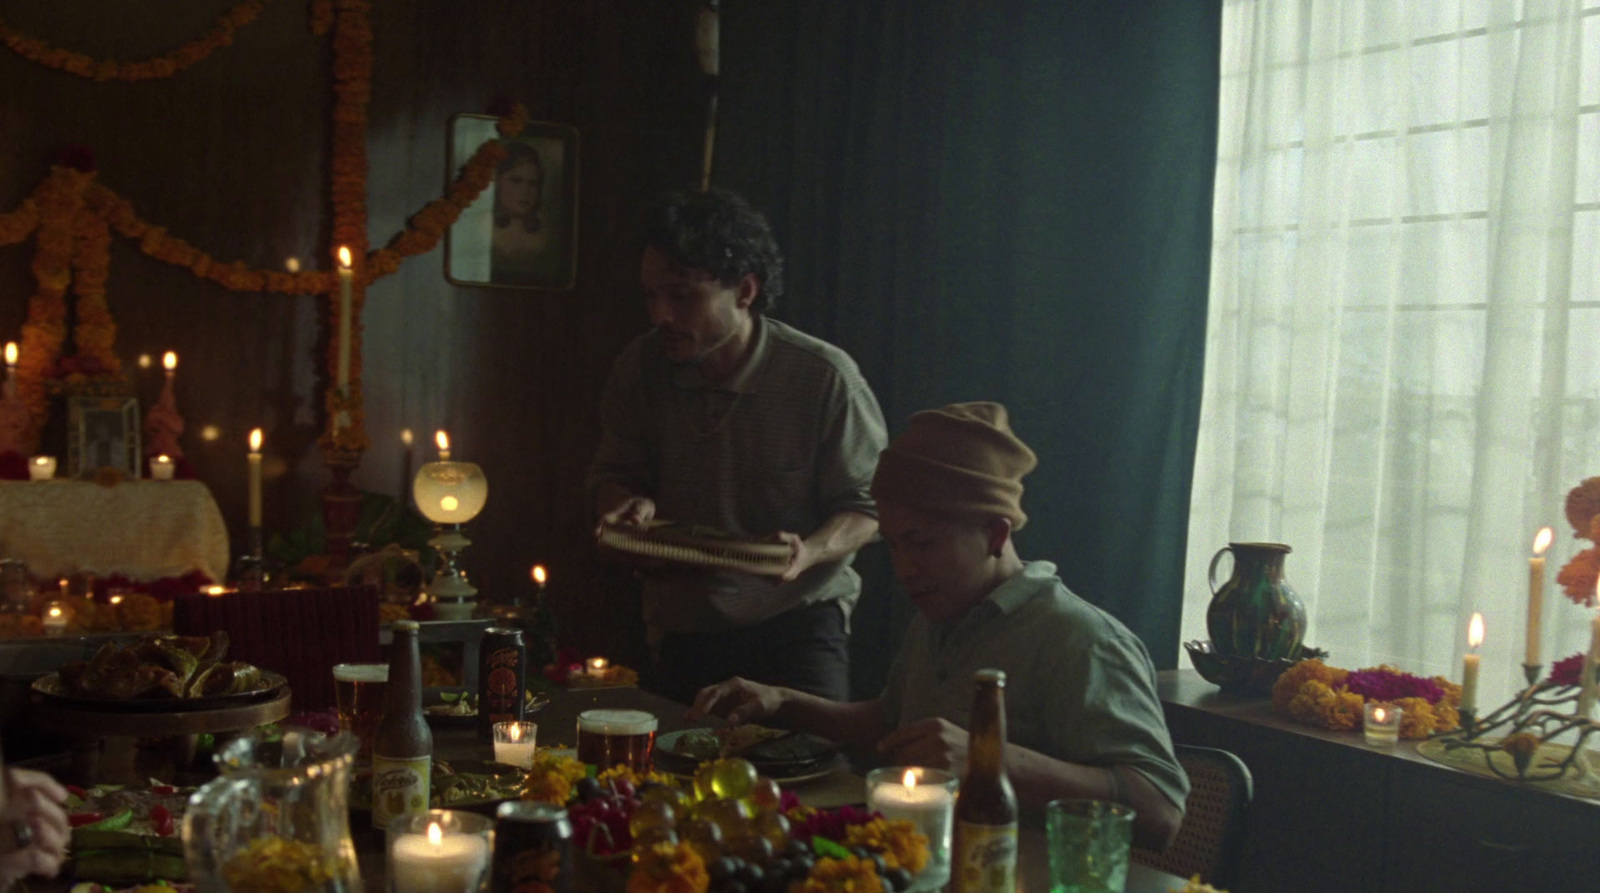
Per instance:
x=601, y=815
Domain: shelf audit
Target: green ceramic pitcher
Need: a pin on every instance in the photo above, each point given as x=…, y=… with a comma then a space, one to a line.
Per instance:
x=1256, y=614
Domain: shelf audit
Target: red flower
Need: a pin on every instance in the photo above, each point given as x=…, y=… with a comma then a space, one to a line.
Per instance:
x=1567, y=670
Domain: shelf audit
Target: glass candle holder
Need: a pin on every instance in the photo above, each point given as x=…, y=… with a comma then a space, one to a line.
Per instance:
x=926, y=798
x=42, y=468
x=514, y=742
x=1381, y=723
x=440, y=851
x=161, y=468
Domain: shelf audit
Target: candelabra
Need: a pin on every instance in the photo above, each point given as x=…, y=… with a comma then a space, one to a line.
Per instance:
x=1536, y=716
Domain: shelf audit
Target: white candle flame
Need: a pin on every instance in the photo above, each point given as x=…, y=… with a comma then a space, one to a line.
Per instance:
x=405, y=436
x=11, y=353
x=1542, y=541
x=514, y=732
x=538, y=574
x=255, y=441
x=435, y=834
x=909, y=779
x=443, y=440
x=449, y=503
x=55, y=611
x=344, y=257
x=163, y=458
x=1379, y=714
x=169, y=360
x=1475, y=631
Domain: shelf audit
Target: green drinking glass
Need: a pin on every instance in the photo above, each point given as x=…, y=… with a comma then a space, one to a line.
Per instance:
x=1088, y=841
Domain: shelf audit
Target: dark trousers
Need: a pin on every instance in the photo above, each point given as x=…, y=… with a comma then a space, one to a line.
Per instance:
x=806, y=649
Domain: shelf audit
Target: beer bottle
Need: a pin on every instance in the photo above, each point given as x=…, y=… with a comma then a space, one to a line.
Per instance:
x=402, y=748
x=985, y=847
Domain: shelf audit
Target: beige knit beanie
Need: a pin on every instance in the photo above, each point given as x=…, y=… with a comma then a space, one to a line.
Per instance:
x=961, y=460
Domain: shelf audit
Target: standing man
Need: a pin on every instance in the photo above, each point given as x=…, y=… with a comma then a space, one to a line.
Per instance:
x=723, y=417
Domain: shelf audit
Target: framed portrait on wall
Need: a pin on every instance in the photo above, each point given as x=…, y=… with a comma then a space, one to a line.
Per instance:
x=522, y=232
x=103, y=432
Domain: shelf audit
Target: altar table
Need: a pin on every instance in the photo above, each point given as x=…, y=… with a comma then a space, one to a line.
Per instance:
x=144, y=530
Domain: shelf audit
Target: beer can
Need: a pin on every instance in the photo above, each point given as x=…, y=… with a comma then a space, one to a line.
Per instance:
x=532, y=848
x=502, y=675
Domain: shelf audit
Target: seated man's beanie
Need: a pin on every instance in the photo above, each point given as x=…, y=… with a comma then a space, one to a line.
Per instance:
x=961, y=461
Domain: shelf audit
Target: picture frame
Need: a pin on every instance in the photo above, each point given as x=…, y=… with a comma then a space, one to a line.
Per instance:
x=103, y=432
x=522, y=232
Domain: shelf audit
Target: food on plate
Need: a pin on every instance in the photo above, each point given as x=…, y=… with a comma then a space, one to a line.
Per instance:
x=710, y=744
x=454, y=783
x=127, y=835
x=160, y=667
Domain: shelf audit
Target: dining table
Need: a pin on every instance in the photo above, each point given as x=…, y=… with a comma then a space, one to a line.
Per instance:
x=844, y=785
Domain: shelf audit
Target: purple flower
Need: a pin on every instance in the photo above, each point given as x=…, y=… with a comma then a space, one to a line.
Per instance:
x=1386, y=685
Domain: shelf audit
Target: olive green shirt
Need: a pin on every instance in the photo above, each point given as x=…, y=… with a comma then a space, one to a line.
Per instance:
x=1079, y=686
x=788, y=441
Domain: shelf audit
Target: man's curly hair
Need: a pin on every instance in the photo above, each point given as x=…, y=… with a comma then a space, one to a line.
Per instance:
x=718, y=232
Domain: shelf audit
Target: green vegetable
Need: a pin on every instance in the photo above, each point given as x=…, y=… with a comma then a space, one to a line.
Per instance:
x=828, y=848
x=115, y=822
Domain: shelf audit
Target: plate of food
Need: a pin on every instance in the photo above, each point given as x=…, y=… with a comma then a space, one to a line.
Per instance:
x=784, y=756
x=127, y=834
x=460, y=708
x=159, y=674
x=454, y=784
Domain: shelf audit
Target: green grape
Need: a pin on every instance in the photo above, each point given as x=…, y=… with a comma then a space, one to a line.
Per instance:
x=669, y=795
x=733, y=778
x=648, y=837
x=732, y=816
x=702, y=834
x=652, y=817
x=704, y=789
x=774, y=827
x=765, y=796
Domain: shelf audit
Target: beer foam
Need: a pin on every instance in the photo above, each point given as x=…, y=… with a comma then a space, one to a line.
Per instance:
x=616, y=722
x=361, y=672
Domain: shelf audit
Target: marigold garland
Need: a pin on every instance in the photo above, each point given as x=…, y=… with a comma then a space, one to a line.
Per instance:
x=163, y=66
x=1316, y=694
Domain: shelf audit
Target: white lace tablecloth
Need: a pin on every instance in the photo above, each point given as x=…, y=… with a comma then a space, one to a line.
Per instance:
x=145, y=530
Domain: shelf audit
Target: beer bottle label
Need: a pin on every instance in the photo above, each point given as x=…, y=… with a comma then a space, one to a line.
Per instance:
x=399, y=787
x=985, y=860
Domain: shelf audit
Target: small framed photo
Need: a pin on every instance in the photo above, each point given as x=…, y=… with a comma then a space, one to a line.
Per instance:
x=102, y=432
x=522, y=232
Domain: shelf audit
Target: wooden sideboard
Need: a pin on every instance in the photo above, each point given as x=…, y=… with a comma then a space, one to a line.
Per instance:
x=1332, y=814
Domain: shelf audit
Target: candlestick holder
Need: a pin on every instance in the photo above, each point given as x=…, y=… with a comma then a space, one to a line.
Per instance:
x=1536, y=716
x=1532, y=672
x=250, y=571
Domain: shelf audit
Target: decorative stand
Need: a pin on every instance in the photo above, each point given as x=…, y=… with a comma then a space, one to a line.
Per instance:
x=452, y=595
x=1535, y=717
x=341, y=508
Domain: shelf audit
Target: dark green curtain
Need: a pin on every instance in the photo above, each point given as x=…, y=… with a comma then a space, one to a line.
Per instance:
x=1006, y=201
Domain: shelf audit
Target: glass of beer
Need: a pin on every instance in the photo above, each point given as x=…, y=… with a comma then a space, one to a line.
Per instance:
x=358, y=689
x=609, y=737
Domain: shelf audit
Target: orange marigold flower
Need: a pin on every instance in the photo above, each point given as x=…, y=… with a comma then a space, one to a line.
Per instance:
x=1577, y=578
x=1417, y=719
x=1310, y=703
x=669, y=868
x=1344, y=712
x=1583, y=505
x=850, y=875
x=899, y=842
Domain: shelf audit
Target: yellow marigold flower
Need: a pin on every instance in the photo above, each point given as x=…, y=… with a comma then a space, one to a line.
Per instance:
x=1416, y=718
x=1445, y=716
x=850, y=875
x=669, y=868
x=552, y=777
x=1343, y=712
x=898, y=841
x=1309, y=704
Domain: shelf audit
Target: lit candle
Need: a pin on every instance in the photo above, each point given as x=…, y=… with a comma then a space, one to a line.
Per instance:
x=538, y=575
x=928, y=806
x=255, y=478
x=443, y=440
x=1381, y=727
x=1469, y=668
x=1536, y=594
x=161, y=468
x=437, y=862
x=346, y=278
x=514, y=742
x=597, y=666
x=11, y=368
x=55, y=620
x=42, y=468
x=216, y=590
x=169, y=362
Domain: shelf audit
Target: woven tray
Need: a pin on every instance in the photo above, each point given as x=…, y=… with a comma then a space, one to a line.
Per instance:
x=696, y=547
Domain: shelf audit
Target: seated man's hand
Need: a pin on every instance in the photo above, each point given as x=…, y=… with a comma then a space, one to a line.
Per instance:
x=801, y=556
x=33, y=826
x=935, y=742
x=739, y=700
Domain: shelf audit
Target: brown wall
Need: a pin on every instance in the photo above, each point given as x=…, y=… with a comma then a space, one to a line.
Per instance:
x=232, y=156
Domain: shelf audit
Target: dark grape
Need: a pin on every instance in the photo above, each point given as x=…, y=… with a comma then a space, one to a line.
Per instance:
x=779, y=866
x=878, y=864
x=802, y=866
x=588, y=789
x=722, y=869
x=797, y=848
x=860, y=852
x=733, y=886
x=752, y=875
x=900, y=878
x=885, y=883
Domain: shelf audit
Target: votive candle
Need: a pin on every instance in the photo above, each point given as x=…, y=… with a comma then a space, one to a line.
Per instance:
x=161, y=468
x=42, y=468
x=514, y=742
x=54, y=620
x=437, y=861
x=924, y=798
x=1381, y=724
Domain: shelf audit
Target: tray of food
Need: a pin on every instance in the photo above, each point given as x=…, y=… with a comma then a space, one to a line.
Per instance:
x=159, y=674
x=778, y=754
x=454, y=784
x=127, y=834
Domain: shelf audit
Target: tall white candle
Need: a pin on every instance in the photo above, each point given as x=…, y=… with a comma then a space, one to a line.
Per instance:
x=1469, y=668
x=1536, y=594
x=346, y=279
x=255, y=478
x=438, y=862
x=11, y=368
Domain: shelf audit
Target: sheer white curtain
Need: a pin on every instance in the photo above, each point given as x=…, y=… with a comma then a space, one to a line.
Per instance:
x=1402, y=379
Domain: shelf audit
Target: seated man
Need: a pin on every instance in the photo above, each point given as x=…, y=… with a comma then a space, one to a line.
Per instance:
x=1081, y=706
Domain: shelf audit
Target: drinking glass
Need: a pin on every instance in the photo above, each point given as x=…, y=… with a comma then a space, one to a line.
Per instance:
x=358, y=690
x=1088, y=841
x=609, y=737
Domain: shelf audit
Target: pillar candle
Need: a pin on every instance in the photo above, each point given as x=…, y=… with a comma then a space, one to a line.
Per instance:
x=1536, y=595
x=255, y=478
x=346, y=279
x=438, y=863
